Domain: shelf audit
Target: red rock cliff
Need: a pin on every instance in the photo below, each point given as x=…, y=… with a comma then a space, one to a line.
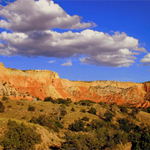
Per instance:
x=19, y=84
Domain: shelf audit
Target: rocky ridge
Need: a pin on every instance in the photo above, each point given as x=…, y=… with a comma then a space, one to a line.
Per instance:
x=30, y=84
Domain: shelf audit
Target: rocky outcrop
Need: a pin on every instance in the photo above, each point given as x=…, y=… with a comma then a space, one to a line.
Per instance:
x=28, y=84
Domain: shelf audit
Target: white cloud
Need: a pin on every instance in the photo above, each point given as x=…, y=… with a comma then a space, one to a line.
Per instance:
x=52, y=61
x=146, y=60
x=69, y=63
x=30, y=15
x=31, y=21
x=99, y=48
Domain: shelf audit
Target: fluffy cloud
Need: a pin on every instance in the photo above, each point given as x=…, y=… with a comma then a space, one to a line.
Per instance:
x=146, y=60
x=69, y=63
x=31, y=21
x=99, y=48
x=30, y=15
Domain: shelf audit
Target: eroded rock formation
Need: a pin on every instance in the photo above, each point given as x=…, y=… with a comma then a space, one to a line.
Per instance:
x=28, y=84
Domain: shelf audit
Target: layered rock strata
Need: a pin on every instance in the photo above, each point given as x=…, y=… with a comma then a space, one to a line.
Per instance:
x=29, y=84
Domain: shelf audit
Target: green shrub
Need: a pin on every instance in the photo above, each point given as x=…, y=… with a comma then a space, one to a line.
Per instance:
x=63, y=112
x=72, y=109
x=92, y=110
x=134, y=112
x=75, y=103
x=41, y=110
x=31, y=108
x=2, y=107
x=148, y=109
x=102, y=104
x=59, y=124
x=124, y=125
x=4, y=98
x=38, y=99
x=48, y=99
x=123, y=109
x=78, y=125
x=96, y=124
x=20, y=136
x=83, y=110
x=108, y=116
x=86, y=102
x=85, y=118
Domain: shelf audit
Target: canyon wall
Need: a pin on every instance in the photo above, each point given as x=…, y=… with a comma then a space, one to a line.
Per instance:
x=30, y=84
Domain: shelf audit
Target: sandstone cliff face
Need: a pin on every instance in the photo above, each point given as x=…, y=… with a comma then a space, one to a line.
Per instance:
x=19, y=84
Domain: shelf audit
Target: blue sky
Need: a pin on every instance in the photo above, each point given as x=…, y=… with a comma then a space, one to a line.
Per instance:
x=80, y=40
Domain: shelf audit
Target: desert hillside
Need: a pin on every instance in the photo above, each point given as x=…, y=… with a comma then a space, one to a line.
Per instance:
x=32, y=84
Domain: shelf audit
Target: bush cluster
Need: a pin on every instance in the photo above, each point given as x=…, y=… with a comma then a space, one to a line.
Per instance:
x=140, y=139
x=58, y=101
x=20, y=136
x=101, y=138
x=48, y=121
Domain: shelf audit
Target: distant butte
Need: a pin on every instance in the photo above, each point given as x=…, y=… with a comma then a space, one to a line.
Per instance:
x=30, y=84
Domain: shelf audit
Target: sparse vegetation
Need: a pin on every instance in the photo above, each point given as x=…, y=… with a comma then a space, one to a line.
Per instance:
x=115, y=126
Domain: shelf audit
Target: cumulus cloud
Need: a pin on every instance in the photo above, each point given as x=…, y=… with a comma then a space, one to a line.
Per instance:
x=30, y=15
x=31, y=21
x=99, y=48
x=69, y=63
x=146, y=60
